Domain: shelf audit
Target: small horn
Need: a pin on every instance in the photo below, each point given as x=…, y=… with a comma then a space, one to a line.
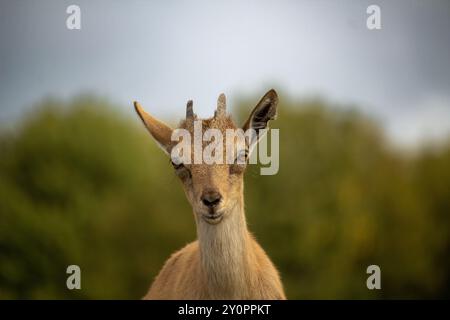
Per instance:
x=189, y=110
x=221, y=105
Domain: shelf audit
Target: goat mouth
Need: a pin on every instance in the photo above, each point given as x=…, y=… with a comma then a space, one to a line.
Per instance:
x=212, y=218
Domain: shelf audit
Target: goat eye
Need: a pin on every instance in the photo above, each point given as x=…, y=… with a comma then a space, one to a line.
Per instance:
x=177, y=166
x=241, y=158
x=181, y=170
x=240, y=163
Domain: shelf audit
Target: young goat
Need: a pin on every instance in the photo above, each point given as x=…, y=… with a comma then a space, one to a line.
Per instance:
x=225, y=262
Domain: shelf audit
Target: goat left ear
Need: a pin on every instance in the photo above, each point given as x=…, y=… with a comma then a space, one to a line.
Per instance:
x=265, y=110
x=160, y=131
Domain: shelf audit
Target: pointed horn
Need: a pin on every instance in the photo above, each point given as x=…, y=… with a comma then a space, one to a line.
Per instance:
x=221, y=105
x=189, y=110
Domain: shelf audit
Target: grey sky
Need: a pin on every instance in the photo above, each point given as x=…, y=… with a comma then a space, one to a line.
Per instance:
x=167, y=52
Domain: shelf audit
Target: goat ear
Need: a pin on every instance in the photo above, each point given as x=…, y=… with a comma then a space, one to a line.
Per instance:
x=159, y=130
x=265, y=110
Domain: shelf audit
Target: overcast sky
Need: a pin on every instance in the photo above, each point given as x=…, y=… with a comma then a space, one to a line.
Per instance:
x=165, y=53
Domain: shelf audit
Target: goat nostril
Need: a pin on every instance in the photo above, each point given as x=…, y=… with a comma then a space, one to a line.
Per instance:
x=209, y=203
x=211, y=199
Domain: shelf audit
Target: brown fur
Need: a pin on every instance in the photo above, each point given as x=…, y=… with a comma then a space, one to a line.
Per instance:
x=225, y=262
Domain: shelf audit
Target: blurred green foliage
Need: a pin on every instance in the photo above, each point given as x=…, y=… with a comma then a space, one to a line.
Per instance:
x=81, y=183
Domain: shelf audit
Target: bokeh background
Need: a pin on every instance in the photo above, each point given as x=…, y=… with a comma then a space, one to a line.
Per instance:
x=364, y=119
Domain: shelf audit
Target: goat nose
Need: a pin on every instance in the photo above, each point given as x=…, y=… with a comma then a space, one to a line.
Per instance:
x=211, y=198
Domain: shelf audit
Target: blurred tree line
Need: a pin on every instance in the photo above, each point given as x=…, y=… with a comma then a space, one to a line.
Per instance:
x=82, y=183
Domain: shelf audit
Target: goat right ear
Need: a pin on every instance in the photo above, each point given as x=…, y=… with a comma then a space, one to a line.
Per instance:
x=160, y=131
x=265, y=110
